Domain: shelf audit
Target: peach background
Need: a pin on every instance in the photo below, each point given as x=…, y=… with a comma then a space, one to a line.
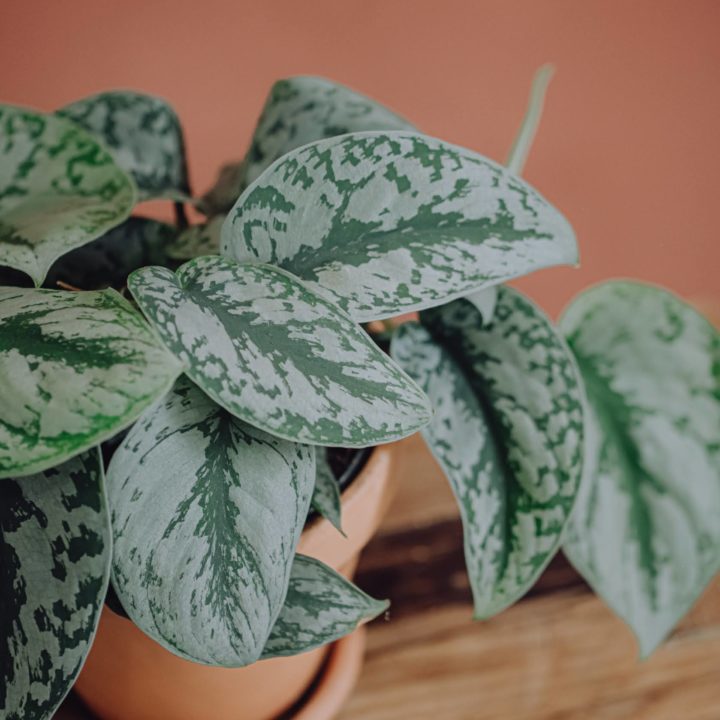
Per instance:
x=628, y=148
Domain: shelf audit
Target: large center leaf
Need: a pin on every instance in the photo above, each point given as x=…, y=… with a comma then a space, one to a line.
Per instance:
x=144, y=135
x=646, y=530
x=75, y=368
x=321, y=606
x=298, y=110
x=507, y=431
x=207, y=512
x=277, y=355
x=394, y=222
x=58, y=190
x=55, y=561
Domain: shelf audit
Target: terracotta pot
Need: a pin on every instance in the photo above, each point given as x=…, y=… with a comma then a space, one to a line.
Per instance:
x=128, y=676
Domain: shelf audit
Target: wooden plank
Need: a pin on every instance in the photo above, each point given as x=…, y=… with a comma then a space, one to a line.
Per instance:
x=559, y=656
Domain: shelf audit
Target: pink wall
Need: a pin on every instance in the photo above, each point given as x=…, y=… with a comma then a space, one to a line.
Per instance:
x=629, y=147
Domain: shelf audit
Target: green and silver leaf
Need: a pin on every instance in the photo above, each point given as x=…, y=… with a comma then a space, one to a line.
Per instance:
x=645, y=533
x=326, y=495
x=395, y=222
x=56, y=551
x=107, y=261
x=207, y=512
x=144, y=135
x=298, y=111
x=277, y=355
x=321, y=607
x=197, y=240
x=507, y=431
x=75, y=368
x=59, y=189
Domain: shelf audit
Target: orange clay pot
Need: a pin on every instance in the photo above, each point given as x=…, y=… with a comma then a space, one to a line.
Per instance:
x=128, y=676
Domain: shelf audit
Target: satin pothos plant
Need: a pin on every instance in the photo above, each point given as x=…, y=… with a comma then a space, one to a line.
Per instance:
x=168, y=392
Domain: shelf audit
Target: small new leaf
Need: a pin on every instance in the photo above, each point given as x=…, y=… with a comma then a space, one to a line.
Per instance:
x=507, y=431
x=56, y=553
x=645, y=532
x=326, y=496
x=392, y=222
x=59, y=189
x=206, y=512
x=321, y=606
x=278, y=355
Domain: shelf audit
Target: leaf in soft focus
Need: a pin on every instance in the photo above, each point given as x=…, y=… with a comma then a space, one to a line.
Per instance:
x=56, y=550
x=298, y=110
x=645, y=533
x=59, y=189
x=321, y=607
x=75, y=369
x=143, y=134
x=507, y=431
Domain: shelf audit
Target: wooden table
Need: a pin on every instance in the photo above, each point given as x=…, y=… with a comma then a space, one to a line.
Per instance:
x=559, y=654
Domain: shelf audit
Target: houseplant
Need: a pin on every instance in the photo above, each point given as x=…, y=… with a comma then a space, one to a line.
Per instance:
x=248, y=356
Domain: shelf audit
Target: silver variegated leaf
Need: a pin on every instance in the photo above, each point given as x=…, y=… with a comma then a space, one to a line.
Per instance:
x=277, y=355
x=298, y=110
x=326, y=495
x=645, y=533
x=75, y=368
x=197, y=240
x=59, y=189
x=507, y=431
x=321, y=607
x=107, y=261
x=56, y=554
x=395, y=222
x=143, y=134
x=206, y=512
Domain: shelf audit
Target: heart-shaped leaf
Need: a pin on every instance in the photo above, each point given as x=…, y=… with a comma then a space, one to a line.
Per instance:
x=321, y=606
x=107, y=261
x=298, y=111
x=326, y=495
x=143, y=134
x=75, y=368
x=197, y=240
x=206, y=512
x=395, y=222
x=59, y=189
x=277, y=355
x=56, y=553
x=646, y=531
x=507, y=431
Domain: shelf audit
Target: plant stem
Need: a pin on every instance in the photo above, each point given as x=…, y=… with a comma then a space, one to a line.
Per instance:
x=524, y=139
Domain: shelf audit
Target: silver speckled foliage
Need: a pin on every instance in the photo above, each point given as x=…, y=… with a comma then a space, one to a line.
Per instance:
x=76, y=368
x=206, y=512
x=646, y=530
x=143, y=134
x=215, y=394
x=298, y=110
x=59, y=189
x=55, y=535
x=507, y=431
x=278, y=355
x=390, y=222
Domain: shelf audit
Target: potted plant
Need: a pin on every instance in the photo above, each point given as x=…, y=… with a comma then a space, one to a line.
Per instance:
x=171, y=397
